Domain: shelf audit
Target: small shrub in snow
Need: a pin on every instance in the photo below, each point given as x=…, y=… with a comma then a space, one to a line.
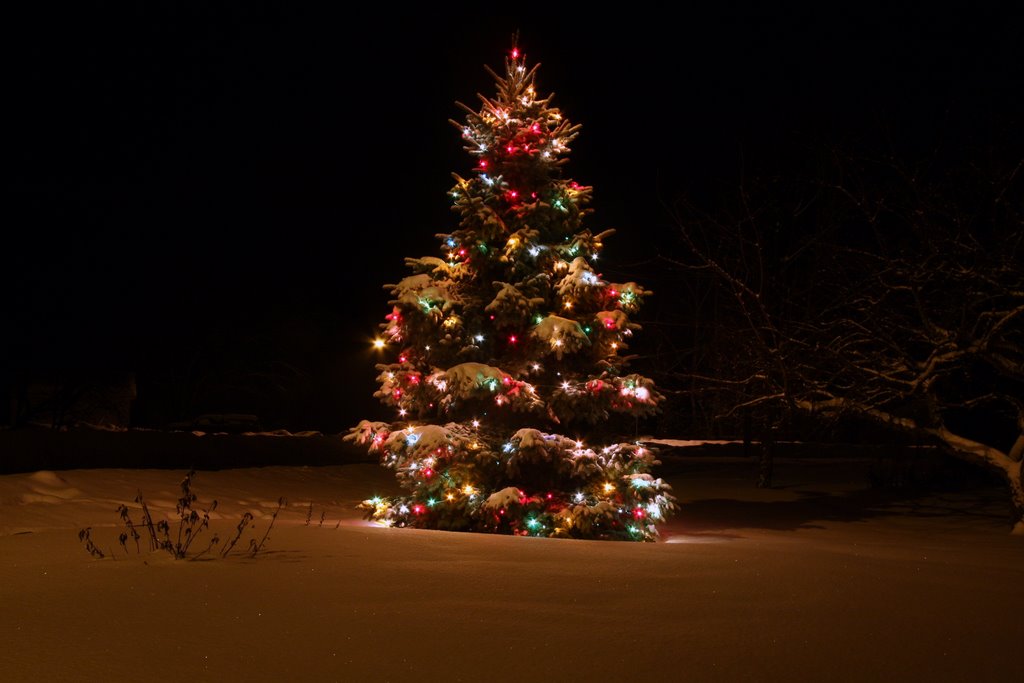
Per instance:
x=178, y=539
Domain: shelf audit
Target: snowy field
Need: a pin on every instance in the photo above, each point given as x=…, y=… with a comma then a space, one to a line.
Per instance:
x=818, y=579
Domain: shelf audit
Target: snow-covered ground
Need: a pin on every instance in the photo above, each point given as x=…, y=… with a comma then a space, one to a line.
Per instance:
x=818, y=579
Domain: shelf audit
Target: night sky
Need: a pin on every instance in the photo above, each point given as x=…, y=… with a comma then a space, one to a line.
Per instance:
x=224, y=192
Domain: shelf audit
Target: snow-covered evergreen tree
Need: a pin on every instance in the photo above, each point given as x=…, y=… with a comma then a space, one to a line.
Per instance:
x=512, y=335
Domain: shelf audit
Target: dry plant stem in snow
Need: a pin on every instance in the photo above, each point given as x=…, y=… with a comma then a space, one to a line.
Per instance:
x=90, y=547
x=147, y=521
x=239, y=530
x=129, y=531
x=191, y=522
x=256, y=547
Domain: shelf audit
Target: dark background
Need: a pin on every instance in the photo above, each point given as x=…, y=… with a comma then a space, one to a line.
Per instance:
x=212, y=199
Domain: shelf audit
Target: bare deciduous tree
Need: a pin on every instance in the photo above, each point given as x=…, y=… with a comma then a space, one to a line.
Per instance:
x=885, y=293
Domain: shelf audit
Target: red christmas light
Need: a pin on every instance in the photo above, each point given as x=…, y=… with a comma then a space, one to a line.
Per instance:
x=418, y=509
x=512, y=339
x=515, y=53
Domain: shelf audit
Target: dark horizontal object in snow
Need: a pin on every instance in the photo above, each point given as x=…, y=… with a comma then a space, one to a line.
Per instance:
x=31, y=449
x=231, y=423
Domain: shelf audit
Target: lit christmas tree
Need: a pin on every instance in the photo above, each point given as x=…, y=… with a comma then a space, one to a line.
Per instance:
x=508, y=337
